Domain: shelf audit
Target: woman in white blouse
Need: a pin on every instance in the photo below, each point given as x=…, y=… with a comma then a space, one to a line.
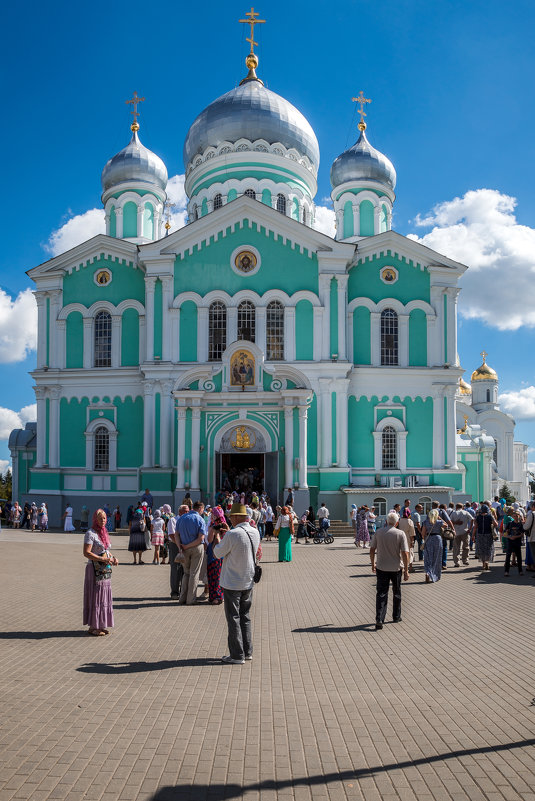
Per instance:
x=285, y=527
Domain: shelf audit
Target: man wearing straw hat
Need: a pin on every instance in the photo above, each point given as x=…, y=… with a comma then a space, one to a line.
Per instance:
x=238, y=550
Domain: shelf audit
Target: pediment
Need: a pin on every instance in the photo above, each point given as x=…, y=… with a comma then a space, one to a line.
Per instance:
x=97, y=247
x=404, y=247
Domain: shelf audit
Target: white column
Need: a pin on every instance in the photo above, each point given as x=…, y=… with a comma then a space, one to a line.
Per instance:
x=342, y=386
x=356, y=219
x=342, y=316
x=148, y=424
x=107, y=221
x=260, y=331
x=318, y=333
x=116, y=340
x=88, y=343
x=432, y=345
x=303, y=454
x=339, y=223
x=181, y=439
x=53, y=438
x=40, y=299
x=288, y=445
x=119, y=223
x=195, y=446
x=55, y=304
x=142, y=338
x=377, y=219
x=61, y=344
x=40, y=396
x=403, y=340
x=166, y=433
x=388, y=218
x=375, y=325
x=325, y=298
x=202, y=334
x=451, y=443
x=140, y=210
x=452, y=293
x=167, y=300
x=437, y=301
x=157, y=230
x=289, y=333
x=325, y=422
x=232, y=324
x=174, y=315
x=438, y=428
x=150, y=283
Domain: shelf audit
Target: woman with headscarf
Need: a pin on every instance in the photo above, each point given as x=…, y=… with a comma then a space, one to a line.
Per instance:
x=363, y=535
x=67, y=517
x=43, y=517
x=285, y=527
x=484, y=526
x=136, y=543
x=216, y=531
x=156, y=539
x=98, y=601
x=432, y=534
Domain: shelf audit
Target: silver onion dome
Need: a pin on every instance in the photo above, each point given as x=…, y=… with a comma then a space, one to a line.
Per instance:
x=135, y=164
x=362, y=162
x=250, y=111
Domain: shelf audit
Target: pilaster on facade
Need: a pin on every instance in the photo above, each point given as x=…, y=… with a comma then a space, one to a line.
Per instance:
x=342, y=321
x=150, y=286
x=40, y=299
x=116, y=340
x=303, y=440
x=403, y=340
x=55, y=306
x=54, y=394
x=195, y=446
x=451, y=427
x=166, y=420
x=452, y=293
x=40, y=397
x=438, y=427
x=88, y=342
x=148, y=424
x=119, y=222
x=232, y=324
x=288, y=445
x=202, y=334
x=260, y=331
x=289, y=339
x=325, y=421
x=325, y=300
x=181, y=456
x=167, y=302
x=375, y=329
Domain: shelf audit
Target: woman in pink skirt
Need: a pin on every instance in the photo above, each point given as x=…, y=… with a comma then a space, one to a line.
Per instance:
x=157, y=535
x=98, y=601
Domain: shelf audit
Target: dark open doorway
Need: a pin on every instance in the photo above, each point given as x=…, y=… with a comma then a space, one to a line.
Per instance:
x=242, y=472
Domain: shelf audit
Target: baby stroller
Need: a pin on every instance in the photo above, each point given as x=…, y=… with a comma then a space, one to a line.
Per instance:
x=322, y=533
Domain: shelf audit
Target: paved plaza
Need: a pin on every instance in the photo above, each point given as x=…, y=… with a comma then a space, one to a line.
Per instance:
x=440, y=706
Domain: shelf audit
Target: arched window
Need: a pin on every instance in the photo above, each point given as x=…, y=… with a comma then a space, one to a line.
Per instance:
x=389, y=337
x=218, y=202
x=380, y=506
x=304, y=215
x=389, y=448
x=281, y=204
x=250, y=193
x=275, y=331
x=102, y=449
x=217, y=330
x=194, y=212
x=427, y=504
x=103, y=339
x=488, y=395
x=246, y=320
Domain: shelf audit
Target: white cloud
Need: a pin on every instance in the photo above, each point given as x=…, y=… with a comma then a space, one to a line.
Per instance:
x=10, y=419
x=324, y=221
x=75, y=231
x=28, y=414
x=18, y=326
x=4, y=464
x=520, y=404
x=531, y=467
x=480, y=230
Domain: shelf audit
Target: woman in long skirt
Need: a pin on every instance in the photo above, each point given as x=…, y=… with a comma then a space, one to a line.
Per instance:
x=136, y=542
x=67, y=516
x=433, y=547
x=285, y=527
x=98, y=600
x=484, y=527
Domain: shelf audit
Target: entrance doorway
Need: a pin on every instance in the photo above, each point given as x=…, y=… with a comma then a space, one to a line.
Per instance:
x=243, y=472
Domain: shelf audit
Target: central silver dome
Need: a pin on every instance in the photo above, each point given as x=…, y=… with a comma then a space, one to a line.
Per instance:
x=251, y=111
x=362, y=162
x=134, y=164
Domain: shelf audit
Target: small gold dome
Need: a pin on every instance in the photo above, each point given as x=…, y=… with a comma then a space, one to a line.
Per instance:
x=464, y=387
x=484, y=373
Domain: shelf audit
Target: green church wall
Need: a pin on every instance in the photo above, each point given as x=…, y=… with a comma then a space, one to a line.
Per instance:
x=266, y=197
x=312, y=431
x=113, y=222
x=348, y=219
x=127, y=283
x=47, y=429
x=73, y=422
x=204, y=207
x=304, y=330
x=367, y=227
x=130, y=338
x=360, y=426
x=232, y=195
x=471, y=481
x=334, y=315
x=148, y=221
x=44, y=482
x=157, y=480
x=334, y=432
x=355, y=191
x=365, y=281
x=130, y=428
x=187, y=444
x=454, y=480
x=362, y=337
x=254, y=171
x=74, y=340
x=129, y=219
x=157, y=412
x=158, y=319
x=419, y=424
x=283, y=264
x=417, y=338
x=295, y=443
x=188, y=332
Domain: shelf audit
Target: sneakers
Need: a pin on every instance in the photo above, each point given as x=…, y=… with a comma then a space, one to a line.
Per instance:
x=378, y=626
x=228, y=660
x=248, y=658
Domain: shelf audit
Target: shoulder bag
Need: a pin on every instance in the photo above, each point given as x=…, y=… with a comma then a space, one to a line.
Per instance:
x=257, y=569
x=102, y=569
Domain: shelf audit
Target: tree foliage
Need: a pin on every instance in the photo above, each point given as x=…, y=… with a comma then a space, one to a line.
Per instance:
x=505, y=492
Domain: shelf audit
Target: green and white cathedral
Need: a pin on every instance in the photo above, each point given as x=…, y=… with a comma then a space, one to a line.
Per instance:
x=249, y=339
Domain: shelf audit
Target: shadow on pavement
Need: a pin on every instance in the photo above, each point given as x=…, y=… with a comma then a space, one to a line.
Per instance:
x=225, y=792
x=40, y=635
x=112, y=668
x=328, y=628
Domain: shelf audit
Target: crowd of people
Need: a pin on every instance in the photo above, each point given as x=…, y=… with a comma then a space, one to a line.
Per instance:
x=31, y=516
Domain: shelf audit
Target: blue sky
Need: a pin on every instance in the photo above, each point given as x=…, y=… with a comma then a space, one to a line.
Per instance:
x=452, y=106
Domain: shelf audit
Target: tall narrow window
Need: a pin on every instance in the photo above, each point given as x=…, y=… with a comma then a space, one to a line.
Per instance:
x=217, y=330
x=218, y=202
x=102, y=449
x=389, y=337
x=250, y=193
x=194, y=212
x=246, y=320
x=275, y=331
x=390, y=456
x=103, y=339
x=488, y=395
x=281, y=204
x=495, y=453
x=304, y=215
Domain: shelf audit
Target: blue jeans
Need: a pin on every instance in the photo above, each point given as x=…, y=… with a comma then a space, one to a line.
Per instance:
x=237, y=608
x=444, y=552
x=261, y=530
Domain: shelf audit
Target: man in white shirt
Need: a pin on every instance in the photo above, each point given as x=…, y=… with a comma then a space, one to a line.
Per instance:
x=323, y=517
x=462, y=521
x=238, y=550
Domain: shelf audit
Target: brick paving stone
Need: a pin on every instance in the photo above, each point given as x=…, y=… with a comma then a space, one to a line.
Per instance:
x=328, y=708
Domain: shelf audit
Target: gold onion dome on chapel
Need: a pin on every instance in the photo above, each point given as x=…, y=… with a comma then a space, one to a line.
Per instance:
x=464, y=387
x=484, y=372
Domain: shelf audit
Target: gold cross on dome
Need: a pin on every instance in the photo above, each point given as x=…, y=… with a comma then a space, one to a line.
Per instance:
x=134, y=102
x=252, y=21
x=361, y=100
x=484, y=354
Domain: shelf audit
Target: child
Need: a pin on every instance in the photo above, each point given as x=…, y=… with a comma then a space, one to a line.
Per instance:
x=157, y=538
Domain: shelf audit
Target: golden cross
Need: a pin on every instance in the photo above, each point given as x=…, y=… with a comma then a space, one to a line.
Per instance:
x=252, y=21
x=484, y=354
x=361, y=100
x=134, y=102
